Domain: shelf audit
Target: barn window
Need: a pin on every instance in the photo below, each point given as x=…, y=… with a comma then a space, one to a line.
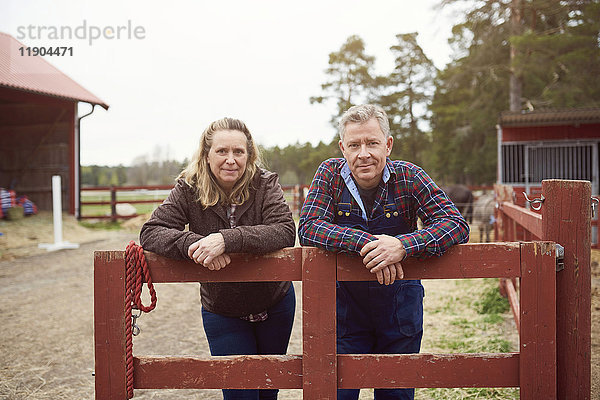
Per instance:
x=513, y=163
x=531, y=162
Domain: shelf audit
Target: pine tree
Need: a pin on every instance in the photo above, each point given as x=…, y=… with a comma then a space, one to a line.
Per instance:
x=407, y=92
x=351, y=73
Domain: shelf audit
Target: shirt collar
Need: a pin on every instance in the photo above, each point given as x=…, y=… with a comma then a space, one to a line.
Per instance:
x=387, y=171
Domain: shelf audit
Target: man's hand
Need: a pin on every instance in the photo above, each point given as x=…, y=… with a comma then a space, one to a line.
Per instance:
x=382, y=257
x=388, y=274
x=384, y=251
x=205, y=250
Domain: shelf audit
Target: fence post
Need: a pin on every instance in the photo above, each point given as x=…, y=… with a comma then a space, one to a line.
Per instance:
x=113, y=204
x=566, y=217
x=319, y=359
x=109, y=327
x=538, y=321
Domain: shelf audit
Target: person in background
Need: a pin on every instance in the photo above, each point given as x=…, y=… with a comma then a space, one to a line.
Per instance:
x=368, y=205
x=231, y=206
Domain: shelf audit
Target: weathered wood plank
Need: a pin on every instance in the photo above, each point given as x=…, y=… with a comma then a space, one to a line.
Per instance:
x=566, y=215
x=478, y=260
x=529, y=220
x=428, y=370
x=109, y=327
x=538, y=321
x=513, y=300
x=319, y=364
x=235, y=372
x=282, y=265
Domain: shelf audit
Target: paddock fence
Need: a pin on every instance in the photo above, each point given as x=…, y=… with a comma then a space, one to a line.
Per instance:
x=564, y=216
x=106, y=198
x=319, y=371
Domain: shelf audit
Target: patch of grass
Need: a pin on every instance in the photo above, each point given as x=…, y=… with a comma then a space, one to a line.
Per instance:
x=493, y=319
x=103, y=224
x=467, y=393
x=94, y=210
x=464, y=317
x=492, y=302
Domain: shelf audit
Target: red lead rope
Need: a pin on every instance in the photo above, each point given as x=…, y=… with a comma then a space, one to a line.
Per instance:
x=135, y=263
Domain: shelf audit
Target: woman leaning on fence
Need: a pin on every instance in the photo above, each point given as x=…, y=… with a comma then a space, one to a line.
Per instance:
x=231, y=206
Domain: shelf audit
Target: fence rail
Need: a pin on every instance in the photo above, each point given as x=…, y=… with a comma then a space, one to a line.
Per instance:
x=564, y=218
x=319, y=371
x=294, y=195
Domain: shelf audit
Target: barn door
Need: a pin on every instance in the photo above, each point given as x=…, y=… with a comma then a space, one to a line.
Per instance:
x=561, y=161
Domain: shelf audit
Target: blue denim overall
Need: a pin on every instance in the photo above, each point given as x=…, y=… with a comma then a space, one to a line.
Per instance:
x=374, y=318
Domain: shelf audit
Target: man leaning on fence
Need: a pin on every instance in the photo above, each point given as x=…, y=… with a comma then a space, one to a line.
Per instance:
x=366, y=204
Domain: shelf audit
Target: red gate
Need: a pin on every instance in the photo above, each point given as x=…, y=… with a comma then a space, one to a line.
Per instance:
x=319, y=371
x=564, y=217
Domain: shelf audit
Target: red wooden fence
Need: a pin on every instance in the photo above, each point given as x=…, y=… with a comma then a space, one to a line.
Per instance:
x=295, y=194
x=319, y=371
x=565, y=219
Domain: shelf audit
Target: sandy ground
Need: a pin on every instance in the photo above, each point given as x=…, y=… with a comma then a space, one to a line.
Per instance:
x=46, y=314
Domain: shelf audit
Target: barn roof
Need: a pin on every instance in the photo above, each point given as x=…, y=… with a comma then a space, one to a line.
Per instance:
x=36, y=75
x=546, y=117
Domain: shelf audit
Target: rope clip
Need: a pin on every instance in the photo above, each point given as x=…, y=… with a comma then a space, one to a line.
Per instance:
x=535, y=204
x=135, y=329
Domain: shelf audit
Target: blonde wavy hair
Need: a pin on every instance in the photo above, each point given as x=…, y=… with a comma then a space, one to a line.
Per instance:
x=198, y=175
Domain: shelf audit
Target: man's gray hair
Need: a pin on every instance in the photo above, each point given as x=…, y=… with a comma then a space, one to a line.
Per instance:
x=361, y=114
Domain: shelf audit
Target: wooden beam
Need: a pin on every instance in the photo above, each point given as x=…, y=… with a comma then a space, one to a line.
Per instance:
x=529, y=220
x=513, y=300
x=566, y=220
x=538, y=321
x=282, y=265
x=109, y=327
x=477, y=260
x=428, y=370
x=319, y=366
x=235, y=372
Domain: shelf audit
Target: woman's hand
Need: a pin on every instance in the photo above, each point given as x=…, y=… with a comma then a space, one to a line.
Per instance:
x=207, y=249
x=218, y=263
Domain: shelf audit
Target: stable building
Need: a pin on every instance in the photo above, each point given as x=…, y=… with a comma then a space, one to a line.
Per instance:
x=548, y=144
x=39, y=127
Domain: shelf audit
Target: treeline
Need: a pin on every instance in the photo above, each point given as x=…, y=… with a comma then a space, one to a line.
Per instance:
x=513, y=55
x=295, y=164
x=140, y=173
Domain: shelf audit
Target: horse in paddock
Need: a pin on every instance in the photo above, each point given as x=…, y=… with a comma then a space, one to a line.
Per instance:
x=483, y=215
x=462, y=197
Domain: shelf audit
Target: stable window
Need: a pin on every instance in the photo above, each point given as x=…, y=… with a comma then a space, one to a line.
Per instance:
x=531, y=162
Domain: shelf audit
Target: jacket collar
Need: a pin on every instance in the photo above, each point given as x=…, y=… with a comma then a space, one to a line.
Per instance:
x=221, y=210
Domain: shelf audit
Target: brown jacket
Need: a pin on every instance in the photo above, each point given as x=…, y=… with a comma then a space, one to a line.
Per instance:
x=264, y=224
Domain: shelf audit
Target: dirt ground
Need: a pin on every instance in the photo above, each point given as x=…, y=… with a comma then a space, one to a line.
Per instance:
x=46, y=318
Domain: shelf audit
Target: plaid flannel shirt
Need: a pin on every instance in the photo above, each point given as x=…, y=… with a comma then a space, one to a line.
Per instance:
x=415, y=194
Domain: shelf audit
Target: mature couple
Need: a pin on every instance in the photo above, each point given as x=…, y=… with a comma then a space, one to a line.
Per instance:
x=364, y=204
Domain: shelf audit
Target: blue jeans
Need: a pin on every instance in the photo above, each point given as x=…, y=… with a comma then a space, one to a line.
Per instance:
x=233, y=336
x=378, y=319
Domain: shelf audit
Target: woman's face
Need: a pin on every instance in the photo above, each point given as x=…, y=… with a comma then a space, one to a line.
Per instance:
x=227, y=157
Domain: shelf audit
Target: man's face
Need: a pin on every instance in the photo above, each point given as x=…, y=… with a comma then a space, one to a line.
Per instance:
x=365, y=148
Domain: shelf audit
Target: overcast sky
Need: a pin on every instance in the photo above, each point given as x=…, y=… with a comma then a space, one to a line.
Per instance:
x=195, y=61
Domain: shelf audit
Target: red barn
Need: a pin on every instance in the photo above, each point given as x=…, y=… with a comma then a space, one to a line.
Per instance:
x=546, y=144
x=39, y=126
x=549, y=144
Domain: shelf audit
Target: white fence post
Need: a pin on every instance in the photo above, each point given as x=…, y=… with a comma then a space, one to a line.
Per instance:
x=57, y=216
